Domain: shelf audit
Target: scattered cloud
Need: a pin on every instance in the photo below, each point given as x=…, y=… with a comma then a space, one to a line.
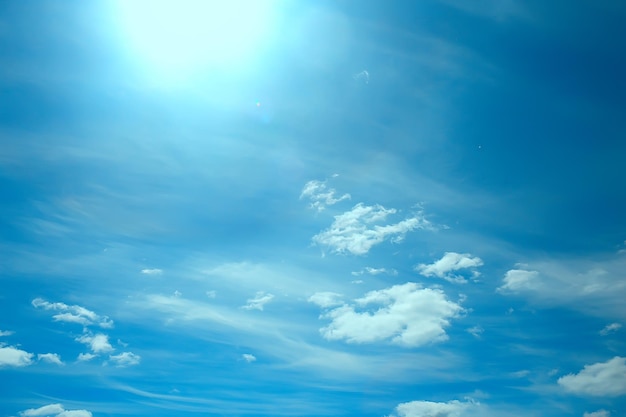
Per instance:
x=595, y=287
x=56, y=410
x=407, y=314
x=152, y=271
x=258, y=302
x=354, y=231
x=6, y=333
x=50, y=358
x=449, y=263
x=476, y=331
x=599, y=413
x=610, y=328
x=248, y=357
x=12, y=356
x=98, y=343
x=320, y=195
x=84, y=357
x=211, y=294
x=604, y=379
x=326, y=299
x=125, y=359
x=73, y=314
x=434, y=409
x=375, y=271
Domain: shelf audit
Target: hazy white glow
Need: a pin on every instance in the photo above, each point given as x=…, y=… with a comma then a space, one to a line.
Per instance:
x=187, y=35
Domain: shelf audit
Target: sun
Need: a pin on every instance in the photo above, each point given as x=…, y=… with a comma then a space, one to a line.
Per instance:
x=183, y=36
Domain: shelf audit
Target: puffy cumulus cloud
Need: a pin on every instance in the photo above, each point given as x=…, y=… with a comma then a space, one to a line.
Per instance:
x=152, y=271
x=84, y=357
x=73, y=314
x=56, y=410
x=326, y=299
x=594, y=287
x=375, y=271
x=320, y=195
x=53, y=358
x=519, y=280
x=355, y=231
x=98, y=343
x=248, y=357
x=435, y=409
x=407, y=314
x=610, y=328
x=605, y=379
x=12, y=356
x=258, y=302
x=448, y=266
x=599, y=413
x=125, y=359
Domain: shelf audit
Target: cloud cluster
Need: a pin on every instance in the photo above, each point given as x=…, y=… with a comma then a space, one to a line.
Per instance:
x=320, y=195
x=12, y=356
x=407, y=315
x=603, y=379
x=258, y=302
x=356, y=231
x=448, y=266
x=56, y=410
x=434, y=409
x=74, y=314
x=53, y=358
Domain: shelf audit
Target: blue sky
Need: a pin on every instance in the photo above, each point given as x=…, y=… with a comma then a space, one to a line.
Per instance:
x=299, y=208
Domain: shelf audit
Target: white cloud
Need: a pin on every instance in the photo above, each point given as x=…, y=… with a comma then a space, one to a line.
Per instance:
x=248, y=357
x=375, y=271
x=11, y=356
x=519, y=280
x=73, y=314
x=56, y=410
x=434, y=409
x=326, y=299
x=84, y=357
x=610, y=328
x=46, y=410
x=211, y=294
x=50, y=358
x=125, y=359
x=451, y=262
x=258, y=301
x=152, y=271
x=320, y=195
x=354, y=231
x=606, y=379
x=599, y=413
x=98, y=343
x=6, y=333
x=476, y=331
x=407, y=314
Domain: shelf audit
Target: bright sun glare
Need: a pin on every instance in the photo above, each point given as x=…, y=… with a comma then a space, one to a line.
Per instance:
x=186, y=35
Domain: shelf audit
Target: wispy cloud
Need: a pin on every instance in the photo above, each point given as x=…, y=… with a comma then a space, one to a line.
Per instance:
x=84, y=357
x=12, y=356
x=599, y=413
x=374, y=271
x=53, y=358
x=259, y=301
x=355, y=231
x=6, y=333
x=320, y=195
x=449, y=264
x=603, y=379
x=152, y=271
x=326, y=299
x=610, y=328
x=406, y=314
x=73, y=314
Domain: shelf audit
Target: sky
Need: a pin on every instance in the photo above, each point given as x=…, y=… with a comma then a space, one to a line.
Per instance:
x=313, y=208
